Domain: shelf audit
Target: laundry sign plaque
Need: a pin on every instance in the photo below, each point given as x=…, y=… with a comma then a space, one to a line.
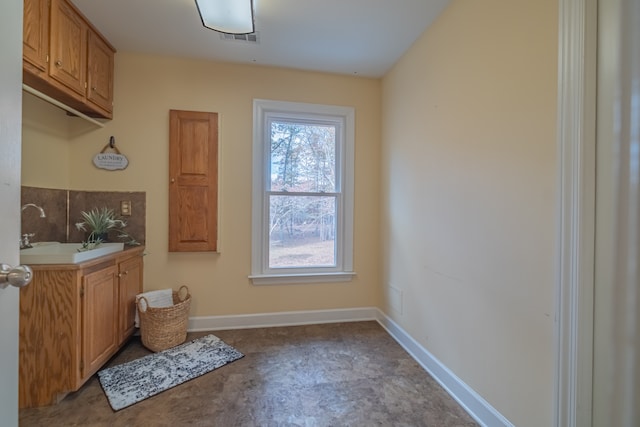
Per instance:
x=110, y=160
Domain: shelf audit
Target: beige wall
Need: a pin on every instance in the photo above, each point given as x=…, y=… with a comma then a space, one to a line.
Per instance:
x=469, y=190
x=146, y=88
x=45, y=147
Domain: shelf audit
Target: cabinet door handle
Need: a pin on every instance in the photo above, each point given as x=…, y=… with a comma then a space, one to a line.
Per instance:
x=93, y=88
x=58, y=63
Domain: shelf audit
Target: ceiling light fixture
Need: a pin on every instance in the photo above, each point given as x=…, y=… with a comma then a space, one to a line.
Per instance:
x=227, y=16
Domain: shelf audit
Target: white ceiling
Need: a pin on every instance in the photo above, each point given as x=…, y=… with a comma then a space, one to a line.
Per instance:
x=363, y=37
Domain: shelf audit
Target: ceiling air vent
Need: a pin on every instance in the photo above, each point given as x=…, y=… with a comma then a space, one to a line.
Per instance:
x=247, y=38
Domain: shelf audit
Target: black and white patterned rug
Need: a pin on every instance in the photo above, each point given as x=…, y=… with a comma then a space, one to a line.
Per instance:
x=139, y=379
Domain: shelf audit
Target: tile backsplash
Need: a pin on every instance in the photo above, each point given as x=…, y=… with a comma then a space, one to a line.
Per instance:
x=63, y=207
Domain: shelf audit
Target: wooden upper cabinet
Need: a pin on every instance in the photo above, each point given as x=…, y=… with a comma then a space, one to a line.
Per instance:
x=35, y=35
x=66, y=58
x=68, y=47
x=193, y=181
x=100, y=72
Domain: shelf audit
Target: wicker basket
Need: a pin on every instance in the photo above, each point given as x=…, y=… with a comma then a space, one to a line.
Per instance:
x=165, y=327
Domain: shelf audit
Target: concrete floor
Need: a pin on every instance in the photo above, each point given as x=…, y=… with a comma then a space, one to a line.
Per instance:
x=342, y=374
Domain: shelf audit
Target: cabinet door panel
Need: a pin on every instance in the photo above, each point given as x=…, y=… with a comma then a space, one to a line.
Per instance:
x=130, y=276
x=99, y=335
x=35, y=33
x=100, y=73
x=193, y=184
x=68, y=47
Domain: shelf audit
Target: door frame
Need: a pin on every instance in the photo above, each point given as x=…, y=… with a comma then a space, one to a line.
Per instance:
x=583, y=25
x=577, y=78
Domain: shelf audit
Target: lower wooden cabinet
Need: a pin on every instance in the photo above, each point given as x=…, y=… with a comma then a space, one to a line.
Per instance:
x=73, y=318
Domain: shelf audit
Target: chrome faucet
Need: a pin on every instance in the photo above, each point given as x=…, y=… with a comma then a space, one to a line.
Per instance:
x=24, y=239
x=32, y=205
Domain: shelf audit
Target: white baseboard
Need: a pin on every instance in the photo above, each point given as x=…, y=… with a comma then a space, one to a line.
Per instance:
x=289, y=318
x=471, y=401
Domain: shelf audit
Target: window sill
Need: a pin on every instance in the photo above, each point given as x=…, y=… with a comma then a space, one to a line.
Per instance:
x=286, y=279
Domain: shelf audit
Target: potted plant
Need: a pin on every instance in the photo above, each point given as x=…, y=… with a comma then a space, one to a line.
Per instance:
x=100, y=223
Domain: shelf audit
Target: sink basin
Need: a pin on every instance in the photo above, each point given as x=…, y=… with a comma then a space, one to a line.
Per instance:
x=65, y=253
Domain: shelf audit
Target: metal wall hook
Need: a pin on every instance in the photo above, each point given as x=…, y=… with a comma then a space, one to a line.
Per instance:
x=112, y=141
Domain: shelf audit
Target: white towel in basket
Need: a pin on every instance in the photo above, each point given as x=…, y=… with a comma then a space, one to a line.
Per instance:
x=161, y=298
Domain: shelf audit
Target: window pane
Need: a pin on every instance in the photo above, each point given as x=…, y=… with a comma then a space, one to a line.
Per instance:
x=303, y=157
x=302, y=231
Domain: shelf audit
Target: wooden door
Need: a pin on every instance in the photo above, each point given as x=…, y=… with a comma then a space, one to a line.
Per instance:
x=100, y=73
x=100, y=301
x=68, y=61
x=35, y=34
x=130, y=285
x=193, y=181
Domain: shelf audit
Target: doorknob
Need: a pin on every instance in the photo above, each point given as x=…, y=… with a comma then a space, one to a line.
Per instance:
x=16, y=276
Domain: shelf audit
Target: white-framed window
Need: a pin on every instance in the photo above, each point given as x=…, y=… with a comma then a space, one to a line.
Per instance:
x=302, y=212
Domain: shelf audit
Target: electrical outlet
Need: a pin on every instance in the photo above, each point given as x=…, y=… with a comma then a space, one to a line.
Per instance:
x=125, y=208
